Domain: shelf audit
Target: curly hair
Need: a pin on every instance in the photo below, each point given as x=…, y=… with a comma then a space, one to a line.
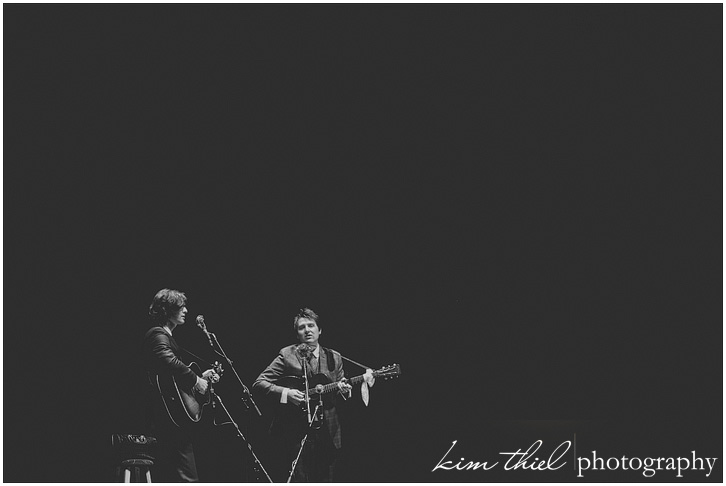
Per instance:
x=306, y=313
x=166, y=303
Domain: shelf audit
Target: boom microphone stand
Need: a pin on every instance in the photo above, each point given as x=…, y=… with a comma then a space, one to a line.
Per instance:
x=247, y=397
x=259, y=468
x=247, y=401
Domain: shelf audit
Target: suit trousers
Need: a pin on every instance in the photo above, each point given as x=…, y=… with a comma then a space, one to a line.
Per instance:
x=317, y=461
x=175, y=462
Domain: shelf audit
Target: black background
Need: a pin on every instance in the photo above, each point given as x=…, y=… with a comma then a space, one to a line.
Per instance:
x=519, y=204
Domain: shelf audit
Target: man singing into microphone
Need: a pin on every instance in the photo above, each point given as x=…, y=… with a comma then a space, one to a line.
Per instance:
x=175, y=459
x=316, y=464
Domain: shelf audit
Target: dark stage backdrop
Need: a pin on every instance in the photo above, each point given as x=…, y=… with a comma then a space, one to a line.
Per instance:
x=520, y=205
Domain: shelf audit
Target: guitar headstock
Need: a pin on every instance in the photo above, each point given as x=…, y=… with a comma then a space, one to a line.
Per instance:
x=388, y=372
x=217, y=366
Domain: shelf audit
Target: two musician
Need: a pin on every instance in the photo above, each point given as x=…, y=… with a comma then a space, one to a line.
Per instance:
x=315, y=420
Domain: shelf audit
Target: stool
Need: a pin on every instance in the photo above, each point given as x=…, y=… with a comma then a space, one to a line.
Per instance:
x=135, y=457
x=138, y=467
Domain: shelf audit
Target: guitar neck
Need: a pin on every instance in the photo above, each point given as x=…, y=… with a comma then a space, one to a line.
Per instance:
x=385, y=373
x=331, y=387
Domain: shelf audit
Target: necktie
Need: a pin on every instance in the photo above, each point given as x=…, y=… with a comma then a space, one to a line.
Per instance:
x=313, y=364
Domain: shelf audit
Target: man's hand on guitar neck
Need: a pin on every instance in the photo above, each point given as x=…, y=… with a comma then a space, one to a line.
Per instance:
x=211, y=375
x=203, y=382
x=344, y=388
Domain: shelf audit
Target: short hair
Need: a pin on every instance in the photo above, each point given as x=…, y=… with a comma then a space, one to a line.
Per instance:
x=306, y=313
x=166, y=303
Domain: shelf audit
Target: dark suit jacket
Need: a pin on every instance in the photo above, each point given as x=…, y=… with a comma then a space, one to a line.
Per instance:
x=161, y=357
x=288, y=363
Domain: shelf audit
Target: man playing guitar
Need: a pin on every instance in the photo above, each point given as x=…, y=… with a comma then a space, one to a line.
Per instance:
x=175, y=460
x=290, y=425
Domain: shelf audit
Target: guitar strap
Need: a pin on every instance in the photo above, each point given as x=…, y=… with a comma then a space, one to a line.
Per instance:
x=330, y=360
x=194, y=356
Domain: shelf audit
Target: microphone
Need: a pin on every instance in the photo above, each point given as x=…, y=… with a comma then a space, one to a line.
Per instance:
x=203, y=327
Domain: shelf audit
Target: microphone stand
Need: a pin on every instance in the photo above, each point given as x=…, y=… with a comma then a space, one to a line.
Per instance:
x=247, y=397
x=258, y=465
x=305, y=358
x=216, y=398
x=303, y=441
x=307, y=386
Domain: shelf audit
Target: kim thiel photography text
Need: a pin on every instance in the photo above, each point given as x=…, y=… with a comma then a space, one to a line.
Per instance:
x=537, y=458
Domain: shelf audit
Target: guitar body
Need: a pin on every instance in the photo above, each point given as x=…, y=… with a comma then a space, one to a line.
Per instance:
x=294, y=417
x=184, y=406
x=298, y=383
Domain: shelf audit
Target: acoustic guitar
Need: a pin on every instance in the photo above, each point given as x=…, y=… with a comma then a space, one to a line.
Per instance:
x=322, y=385
x=185, y=405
